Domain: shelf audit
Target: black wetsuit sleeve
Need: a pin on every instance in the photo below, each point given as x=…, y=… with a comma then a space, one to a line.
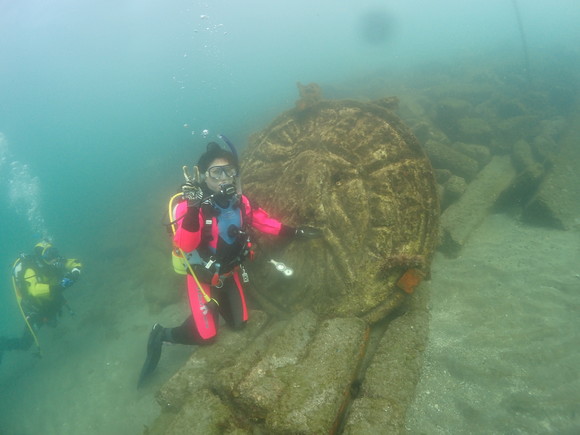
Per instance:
x=191, y=220
x=287, y=231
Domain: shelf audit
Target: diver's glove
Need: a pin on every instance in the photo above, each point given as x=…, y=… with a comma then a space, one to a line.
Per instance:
x=307, y=233
x=66, y=282
x=193, y=193
x=70, y=278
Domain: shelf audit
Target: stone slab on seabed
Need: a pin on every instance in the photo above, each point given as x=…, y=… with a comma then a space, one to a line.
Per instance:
x=557, y=201
x=318, y=389
x=461, y=218
x=290, y=376
x=389, y=384
x=200, y=370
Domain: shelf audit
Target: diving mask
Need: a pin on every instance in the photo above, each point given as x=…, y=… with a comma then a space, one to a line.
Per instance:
x=222, y=172
x=50, y=256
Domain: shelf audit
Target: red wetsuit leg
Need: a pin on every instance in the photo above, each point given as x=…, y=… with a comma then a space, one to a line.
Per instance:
x=205, y=321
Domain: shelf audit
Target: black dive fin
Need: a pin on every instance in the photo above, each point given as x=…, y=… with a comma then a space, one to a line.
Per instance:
x=154, y=346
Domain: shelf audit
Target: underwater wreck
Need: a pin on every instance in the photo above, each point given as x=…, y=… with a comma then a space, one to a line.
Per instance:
x=337, y=347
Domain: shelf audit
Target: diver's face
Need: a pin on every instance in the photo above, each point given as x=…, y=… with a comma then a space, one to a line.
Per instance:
x=219, y=172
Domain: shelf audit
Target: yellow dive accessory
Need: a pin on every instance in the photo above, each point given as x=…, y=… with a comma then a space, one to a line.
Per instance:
x=19, y=301
x=181, y=260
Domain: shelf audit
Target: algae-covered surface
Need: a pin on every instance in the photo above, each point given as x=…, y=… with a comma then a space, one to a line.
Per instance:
x=357, y=172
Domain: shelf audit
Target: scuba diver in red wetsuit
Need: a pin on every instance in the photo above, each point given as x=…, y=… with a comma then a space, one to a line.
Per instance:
x=210, y=221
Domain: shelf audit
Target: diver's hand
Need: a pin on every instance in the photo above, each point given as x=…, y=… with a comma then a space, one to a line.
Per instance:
x=307, y=233
x=66, y=282
x=193, y=193
x=70, y=278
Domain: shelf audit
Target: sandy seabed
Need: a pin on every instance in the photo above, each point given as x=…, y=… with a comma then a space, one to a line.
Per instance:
x=504, y=343
x=85, y=382
x=503, y=353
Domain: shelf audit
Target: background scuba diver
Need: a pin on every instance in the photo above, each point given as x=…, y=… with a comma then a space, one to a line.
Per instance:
x=211, y=223
x=39, y=280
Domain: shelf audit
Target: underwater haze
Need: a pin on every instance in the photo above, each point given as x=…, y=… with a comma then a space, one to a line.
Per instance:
x=102, y=103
